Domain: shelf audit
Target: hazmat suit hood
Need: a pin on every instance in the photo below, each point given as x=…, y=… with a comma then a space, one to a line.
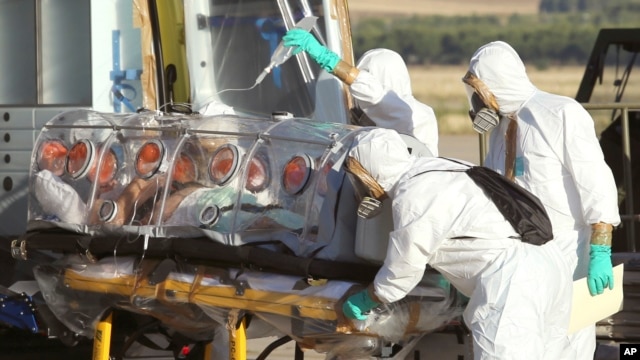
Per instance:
x=389, y=68
x=500, y=68
x=384, y=154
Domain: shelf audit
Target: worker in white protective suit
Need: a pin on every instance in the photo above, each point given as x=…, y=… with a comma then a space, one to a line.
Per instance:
x=380, y=85
x=519, y=293
x=547, y=144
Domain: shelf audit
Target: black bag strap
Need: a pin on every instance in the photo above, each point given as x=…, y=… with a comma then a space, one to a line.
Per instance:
x=522, y=209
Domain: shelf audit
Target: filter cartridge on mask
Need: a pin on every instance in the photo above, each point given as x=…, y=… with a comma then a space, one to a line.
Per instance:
x=369, y=208
x=484, y=119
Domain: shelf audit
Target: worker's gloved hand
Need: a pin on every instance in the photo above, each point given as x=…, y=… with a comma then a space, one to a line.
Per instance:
x=600, y=269
x=357, y=304
x=305, y=41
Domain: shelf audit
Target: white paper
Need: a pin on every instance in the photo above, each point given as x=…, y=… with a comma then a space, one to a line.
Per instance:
x=587, y=310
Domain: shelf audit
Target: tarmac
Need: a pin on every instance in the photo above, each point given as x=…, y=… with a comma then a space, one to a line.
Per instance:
x=436, y=346
x=463, y=147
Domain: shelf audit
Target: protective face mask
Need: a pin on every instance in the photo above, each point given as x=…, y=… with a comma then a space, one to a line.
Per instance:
x=484, y=119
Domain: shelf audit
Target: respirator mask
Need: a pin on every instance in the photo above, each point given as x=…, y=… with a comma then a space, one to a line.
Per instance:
x=483, y=117
x=369, y=205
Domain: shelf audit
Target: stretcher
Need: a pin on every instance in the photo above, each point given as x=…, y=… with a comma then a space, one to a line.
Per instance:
x=209, y=222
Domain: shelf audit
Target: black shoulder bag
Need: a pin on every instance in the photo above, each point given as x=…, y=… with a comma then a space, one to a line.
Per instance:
x=522, y=209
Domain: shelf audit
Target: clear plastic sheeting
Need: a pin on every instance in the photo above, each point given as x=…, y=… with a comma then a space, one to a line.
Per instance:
x=83, y=292
x=234, y=179
x=194, y=300
x=199, y=220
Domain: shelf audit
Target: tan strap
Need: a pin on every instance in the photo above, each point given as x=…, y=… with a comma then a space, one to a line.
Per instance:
x=414, y=316
x=354, y=167
x=601, y=234
x=482, y=90
x=345, y=72
x=510, y=155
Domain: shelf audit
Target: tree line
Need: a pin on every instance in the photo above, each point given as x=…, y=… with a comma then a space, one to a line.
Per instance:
x=609, y=8
x=550, y=37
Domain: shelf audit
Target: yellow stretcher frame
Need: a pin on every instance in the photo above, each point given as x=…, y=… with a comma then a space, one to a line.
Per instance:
x=175, y=292
x=279, y=303
x=102, y=341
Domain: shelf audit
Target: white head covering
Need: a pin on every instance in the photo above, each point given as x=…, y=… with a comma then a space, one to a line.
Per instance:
x=388, y=67
x=384, y=154
x=499, y=67
x=382, y=90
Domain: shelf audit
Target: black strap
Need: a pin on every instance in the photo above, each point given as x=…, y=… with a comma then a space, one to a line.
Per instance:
x=523, y=210
x=450, y=170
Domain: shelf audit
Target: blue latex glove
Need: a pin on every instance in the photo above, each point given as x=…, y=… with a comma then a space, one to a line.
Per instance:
x=305, y=41
x=357, y=304
x=600, y=269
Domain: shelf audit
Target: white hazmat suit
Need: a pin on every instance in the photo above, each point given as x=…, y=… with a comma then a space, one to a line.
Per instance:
x=380, y=85
x=519, y=293
x=382, y=90
x=557, y=158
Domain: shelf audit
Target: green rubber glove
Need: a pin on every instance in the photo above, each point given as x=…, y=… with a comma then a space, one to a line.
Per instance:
x=357, y=304
x=600, y=269
x=305, y=41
